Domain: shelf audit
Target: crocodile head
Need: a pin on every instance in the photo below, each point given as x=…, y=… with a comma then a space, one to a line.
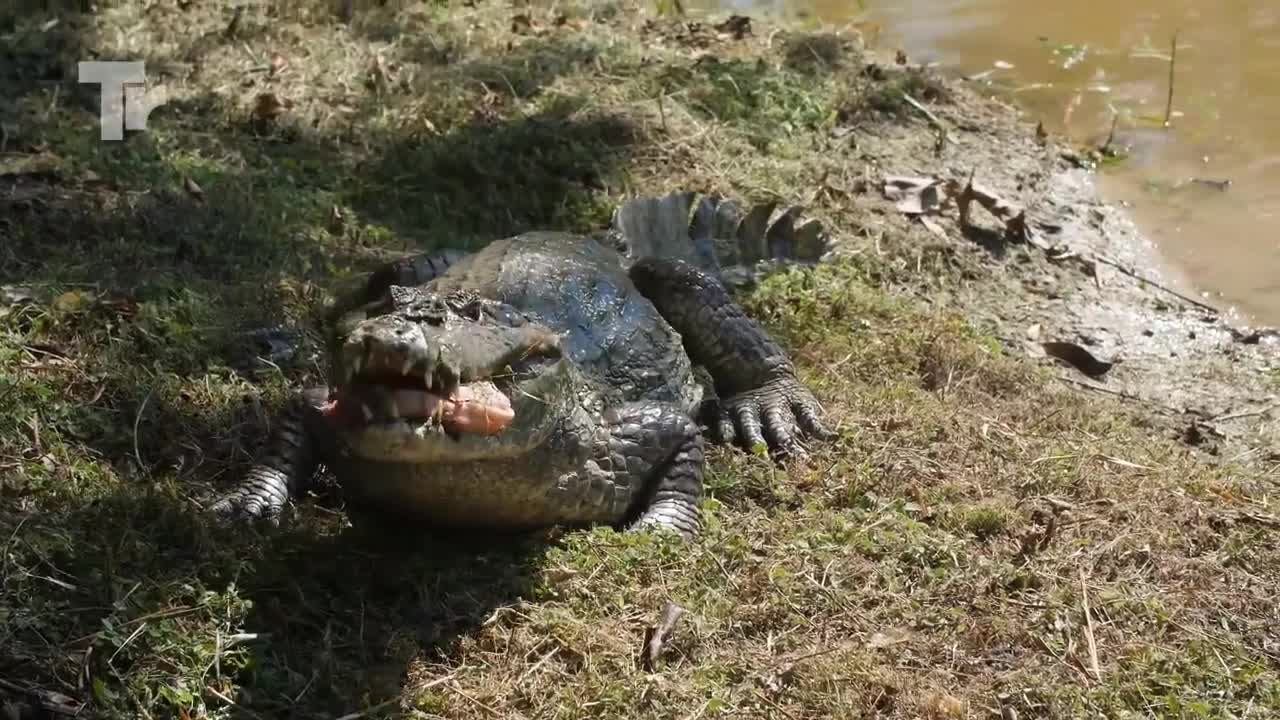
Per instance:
x=421, y=376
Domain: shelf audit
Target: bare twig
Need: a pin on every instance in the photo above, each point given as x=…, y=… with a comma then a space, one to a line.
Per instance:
x=52, y=702
x=1088, y=629
x=234, y=25
x=387, y=703
x=1158, y=286
x=1246, y=414
x=1173, y=61
x=775, y=705
x=137, y=419
x=1111, y=136
x=229, y=701
x=1119, y=393
x=937, y=123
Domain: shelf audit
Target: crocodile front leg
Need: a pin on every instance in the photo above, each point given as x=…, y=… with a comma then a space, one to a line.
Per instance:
x=286, y=467
x=762, y=401
x=658, y=447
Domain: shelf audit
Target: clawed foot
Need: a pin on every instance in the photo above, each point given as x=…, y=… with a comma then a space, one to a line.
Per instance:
x=234, y=508
x=261, y=497
x=777, y=416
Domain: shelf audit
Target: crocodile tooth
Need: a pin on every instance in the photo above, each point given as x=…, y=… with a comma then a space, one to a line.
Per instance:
x=407, y=367
x=429, y=379
x=368, y=414
x=393, y=411
x=356, y=363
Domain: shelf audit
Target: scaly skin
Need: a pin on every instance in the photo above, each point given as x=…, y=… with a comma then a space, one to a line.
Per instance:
x=603, y=429
x=763, y=402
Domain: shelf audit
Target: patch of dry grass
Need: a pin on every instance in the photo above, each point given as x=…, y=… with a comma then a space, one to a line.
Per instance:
x=935, y=561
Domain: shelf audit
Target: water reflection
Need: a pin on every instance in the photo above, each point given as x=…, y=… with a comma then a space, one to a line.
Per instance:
x=1076, y=64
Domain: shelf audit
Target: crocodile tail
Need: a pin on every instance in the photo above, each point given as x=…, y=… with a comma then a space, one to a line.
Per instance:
x=720, y=236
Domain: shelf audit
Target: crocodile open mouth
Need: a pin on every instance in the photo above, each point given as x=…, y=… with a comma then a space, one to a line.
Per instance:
x=440, y=368
x=475, y=407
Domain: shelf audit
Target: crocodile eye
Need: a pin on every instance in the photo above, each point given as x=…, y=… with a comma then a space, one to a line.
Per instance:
x=466, y=303
x=432, y=310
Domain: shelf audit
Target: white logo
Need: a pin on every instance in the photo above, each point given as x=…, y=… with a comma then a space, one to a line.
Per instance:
x=125, y=100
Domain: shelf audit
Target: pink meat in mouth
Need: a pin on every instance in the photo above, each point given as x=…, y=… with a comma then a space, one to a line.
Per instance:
x=476, y=408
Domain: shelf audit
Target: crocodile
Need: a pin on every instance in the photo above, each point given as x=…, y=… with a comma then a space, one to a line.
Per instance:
x=550, y=378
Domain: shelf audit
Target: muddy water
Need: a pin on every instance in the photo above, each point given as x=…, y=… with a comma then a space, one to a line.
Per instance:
x=1077, y=64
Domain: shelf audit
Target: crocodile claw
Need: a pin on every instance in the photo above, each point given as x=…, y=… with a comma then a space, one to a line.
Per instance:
x=261, y=497
x=237, y=507
x=778, y=416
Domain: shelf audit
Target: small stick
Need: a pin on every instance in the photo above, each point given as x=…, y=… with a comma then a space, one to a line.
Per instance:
x=137, y=419
x=234, y=25
x=1111, y=137
x=928, y=114
x=1246, y=414
x=212, y=691
x=1120, y=394
x=1157, y=285
x=1088, y=629
x=1173, y=61
x=387, y=703
x=51, y=702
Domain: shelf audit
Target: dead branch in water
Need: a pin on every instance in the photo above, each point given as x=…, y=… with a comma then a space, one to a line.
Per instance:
x=1111, y=137
x=1173, y=62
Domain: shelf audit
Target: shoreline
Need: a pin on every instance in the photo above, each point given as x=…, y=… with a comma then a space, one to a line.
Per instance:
x=1095, y=280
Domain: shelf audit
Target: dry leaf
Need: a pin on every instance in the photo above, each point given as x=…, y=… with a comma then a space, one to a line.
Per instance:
x=945, y=705
x=915, y=195
x=932, y=226
x=15, y=295
x=379, y=74
x=278, y=64
x=269, y=106
x=737, y=26
x=888, y=638
x=987, y=198
x=71, y=301
x=655, y=639
x=522, y=24
x=1077, y=357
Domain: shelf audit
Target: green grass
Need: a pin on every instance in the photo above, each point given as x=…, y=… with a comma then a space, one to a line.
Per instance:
x=928, y=563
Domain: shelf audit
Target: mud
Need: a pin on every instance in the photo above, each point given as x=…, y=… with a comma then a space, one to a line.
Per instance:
x=1087, y=276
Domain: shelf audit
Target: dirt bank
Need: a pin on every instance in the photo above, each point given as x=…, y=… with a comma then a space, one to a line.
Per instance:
x=1082, y=274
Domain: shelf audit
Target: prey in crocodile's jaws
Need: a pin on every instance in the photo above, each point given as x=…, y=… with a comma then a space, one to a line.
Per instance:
x=478, y=407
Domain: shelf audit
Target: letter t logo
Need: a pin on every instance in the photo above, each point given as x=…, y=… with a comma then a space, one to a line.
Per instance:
x=125, y=105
